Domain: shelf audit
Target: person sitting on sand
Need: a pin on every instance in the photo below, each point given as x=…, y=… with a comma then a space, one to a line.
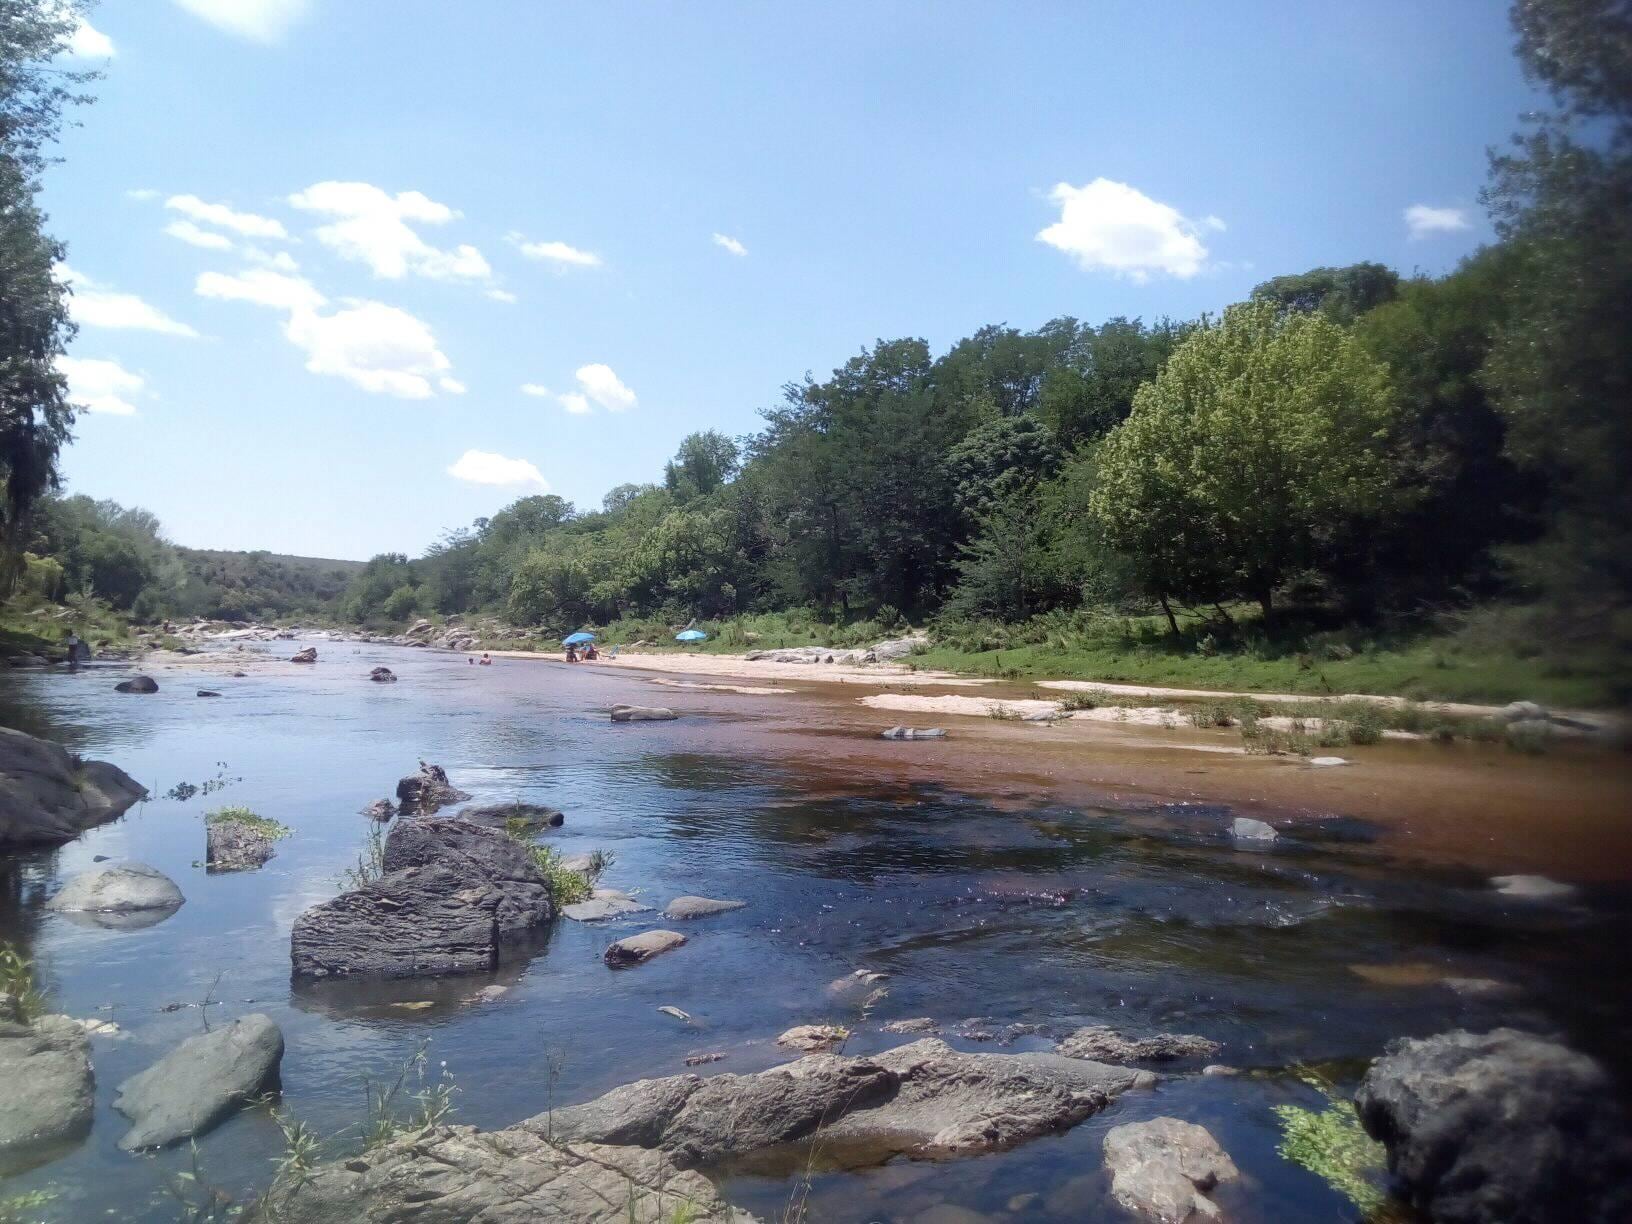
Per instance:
x=572, y=654
x=591, y=653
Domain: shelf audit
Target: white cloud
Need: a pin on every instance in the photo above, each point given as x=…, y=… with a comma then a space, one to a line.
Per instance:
x=556, y=252
x=261, y=286
x=88, y=42
x=452, y=385
x=730, y=244
x=192, y=234
x=278, y=261
x=373, y=346
x=223, y=216
x=259, y=20
x=96, y=305
x=537, y=390
x=1423, y=220
x=371, y=227
x=1112, y=226
x=574, y=403
x=101, y=386
x=503, y=295
x=486, y=468
x=605, y=387
x=142, y=194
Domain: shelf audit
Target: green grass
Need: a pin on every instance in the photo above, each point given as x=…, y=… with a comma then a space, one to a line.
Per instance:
x=17, y=986
x=247, y=819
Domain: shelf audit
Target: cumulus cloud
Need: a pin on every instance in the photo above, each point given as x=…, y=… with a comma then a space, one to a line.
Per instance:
x=279, y=261
x=141, y=194
x=257, y=20
x=96, y=305
x=1111, y=226
x=605, y=388
x=261, y=286
x=379, y=348
x=451, y=385
x=730, y=244
x=503, y=295
x=556, y=253
x=371, y=226
x=101, y=386
x=197, y=236
x=538, y=390
x=88, y=42
x=574, y=403
x=1423, y=220
x=486, y=468
x=223, y=216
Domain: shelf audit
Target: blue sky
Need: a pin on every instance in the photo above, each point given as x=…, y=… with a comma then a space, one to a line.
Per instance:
x=342, y=266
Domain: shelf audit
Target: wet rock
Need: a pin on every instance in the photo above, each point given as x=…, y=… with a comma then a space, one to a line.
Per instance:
x=699, y=907
x=634, y=713
x=603, y=904
x=1523, y=711
x=1220, y=1071
x=207, y=693
x=1104, y=1044
x=637, y=949
x=427, y=790
x=812, y=1037
x=1245, y=828
x=918, y=1024
x=383, y=675
x=48, y=795
x=381, y=810
x=230, y=846
x=137, y=684
x=1327, y=762
x=307, y=655
x=913, y=733
x=675, y=1013
x=118, y=888
x=454, y=898
x=1161, y=1170
x=490, y=994
x=48, y=1094
x=702, y=1060
x=192, y=1088
x=1532, y=888
x=1502, y=1126
x=528, y=817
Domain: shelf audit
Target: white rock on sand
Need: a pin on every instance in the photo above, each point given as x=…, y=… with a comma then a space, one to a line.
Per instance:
x=952, y=703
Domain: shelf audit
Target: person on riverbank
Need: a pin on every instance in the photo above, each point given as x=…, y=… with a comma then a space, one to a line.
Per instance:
x=77, y=650
x=590, y=653
x=572, y=654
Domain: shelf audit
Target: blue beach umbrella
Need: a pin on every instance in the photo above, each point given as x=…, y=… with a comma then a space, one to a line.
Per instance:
x=574, y=639
x=691, y=635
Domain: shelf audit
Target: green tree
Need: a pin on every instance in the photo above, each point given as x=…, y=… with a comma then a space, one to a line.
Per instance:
x=1341, y=294
x=999, y=460
x=704, y=462
x=1260, y=439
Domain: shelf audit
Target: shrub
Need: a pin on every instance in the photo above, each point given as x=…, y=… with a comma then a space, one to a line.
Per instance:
x=247, y=819
x=18, y=992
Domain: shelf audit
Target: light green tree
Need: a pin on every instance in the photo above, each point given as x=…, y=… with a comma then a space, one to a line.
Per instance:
x=1263, y=436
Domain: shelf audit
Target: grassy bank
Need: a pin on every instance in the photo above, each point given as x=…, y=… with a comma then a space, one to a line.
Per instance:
x=31, y=625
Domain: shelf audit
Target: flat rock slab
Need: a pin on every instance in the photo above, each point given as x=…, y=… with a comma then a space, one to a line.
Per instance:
x=1161, y=1170
x=699, y=907
x=116, y=888
x=913, y=733
x=528, y=817
x=638, y=948
x=196, y=1085
x=604, y=904
x=48, y=1094
x=1102, y=1044
x=812, y=1037
x=48, y=795
x=634, y=713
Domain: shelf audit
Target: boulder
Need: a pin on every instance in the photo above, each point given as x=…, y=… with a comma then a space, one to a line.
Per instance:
x=604, y=903
x=699, y=907
x=137, y=684
x=1104, y=1044
x=1532, y=888
x=48, y=795
x=634, y=713
x=1327, y=762
x=420, y=628
x=118, y=888
x=207, y=693
x=192, y=1088
x=383, y=675
x=308, y=655
x=811, y=1037
x=427, y=790
x=529, y=817
x=637, y=949
x=1244, y=828
x=894, y=648
x=231, y=846
x=917, y=1024
x=1501, y=1126
x=454, y=898
x=46, y=1070
x=1161, y=1170
x=381, y=810
x=913, y=733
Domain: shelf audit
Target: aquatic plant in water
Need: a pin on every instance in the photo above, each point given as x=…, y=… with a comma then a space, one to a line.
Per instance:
x=1333, y=1146
x=263, y=825
x=22, y=997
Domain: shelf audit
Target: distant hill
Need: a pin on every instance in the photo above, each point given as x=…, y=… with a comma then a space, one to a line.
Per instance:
x=264, y=585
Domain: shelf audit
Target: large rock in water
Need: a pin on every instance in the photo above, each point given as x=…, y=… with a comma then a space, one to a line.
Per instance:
x=48, y=795
x=454, y=897
x=137, y=684
x=528, y=817
x=46, y=1070
x=231, y=846
x=1162, y=1169
x=118, y=888
x=635, y=713
x=637, y=949
x=1104, y=1044
x=427, y=790
x=199, y=1083
x=1500, y=1128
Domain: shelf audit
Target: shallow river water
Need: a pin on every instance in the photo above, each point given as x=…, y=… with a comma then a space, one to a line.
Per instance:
x=990, y=902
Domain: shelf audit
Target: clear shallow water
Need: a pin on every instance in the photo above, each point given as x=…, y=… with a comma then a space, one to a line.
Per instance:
x=983, y=901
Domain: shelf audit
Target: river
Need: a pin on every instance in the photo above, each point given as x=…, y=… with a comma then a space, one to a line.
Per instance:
x=994, y=884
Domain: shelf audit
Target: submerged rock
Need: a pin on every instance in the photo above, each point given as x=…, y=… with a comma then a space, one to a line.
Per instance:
x=634, y=713
x=639, y=948
x=196, y=1085
x=1532, y=888
x=528, y=817
x=1106, y=1045
x=699, y=907
x=1245, y=828
x=118, y=888
x=383, y=675
x=427, y=790
x=604, y=903
x=917, y=1024
x=307, y=655
x=49, y=795
x=46, y=1070
x=207, y=693
x=812, y=1037
x=454, y=897
x=1500, y=1128
x=913, y=733
x=1161, y=1170
x=137, y=684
